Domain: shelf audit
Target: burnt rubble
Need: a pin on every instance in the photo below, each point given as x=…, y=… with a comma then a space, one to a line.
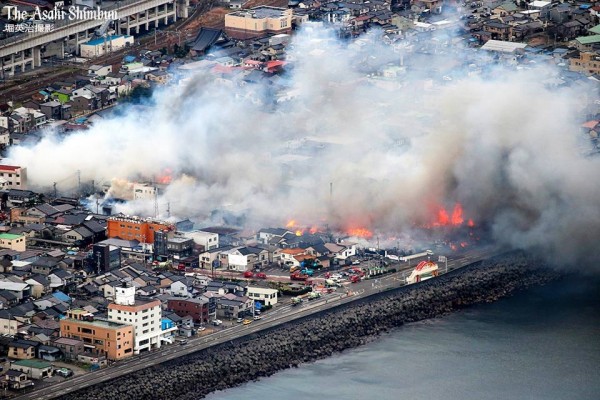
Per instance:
x=319, y=336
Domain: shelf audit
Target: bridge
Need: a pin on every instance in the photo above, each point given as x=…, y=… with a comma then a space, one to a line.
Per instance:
x=24, y=51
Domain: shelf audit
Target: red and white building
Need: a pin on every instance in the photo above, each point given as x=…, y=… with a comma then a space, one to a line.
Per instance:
x=13, y=177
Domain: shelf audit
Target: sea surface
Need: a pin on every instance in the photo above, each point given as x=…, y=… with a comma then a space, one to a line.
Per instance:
x=543, y=343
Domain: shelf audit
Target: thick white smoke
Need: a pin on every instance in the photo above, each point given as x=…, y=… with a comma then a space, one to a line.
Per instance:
x=350, y=147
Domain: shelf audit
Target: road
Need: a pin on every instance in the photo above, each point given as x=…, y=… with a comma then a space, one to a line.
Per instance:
x=280, y=315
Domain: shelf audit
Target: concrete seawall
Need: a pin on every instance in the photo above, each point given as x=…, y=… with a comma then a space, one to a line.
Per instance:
x=319, y=336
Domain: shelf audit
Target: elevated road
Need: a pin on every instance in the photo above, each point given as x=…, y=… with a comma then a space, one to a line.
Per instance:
x=279, y=316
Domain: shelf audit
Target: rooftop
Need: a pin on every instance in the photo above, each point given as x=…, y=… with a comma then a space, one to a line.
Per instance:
x=261, y=12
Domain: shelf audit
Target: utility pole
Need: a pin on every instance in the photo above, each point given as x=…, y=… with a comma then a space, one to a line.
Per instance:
x=78, y=183
x=155, y=202
x=54, y=185
x=168, y=209
x=97, y=202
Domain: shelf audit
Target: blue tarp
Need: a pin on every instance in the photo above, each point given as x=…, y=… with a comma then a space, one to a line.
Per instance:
x=61, y=296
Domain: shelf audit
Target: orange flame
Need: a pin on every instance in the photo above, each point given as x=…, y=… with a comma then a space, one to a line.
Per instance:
x=360, y=232
x=291, y=223
x=299, y=232
x=313, y=230
x=457, y=217
x=166, y=177
x=470, y=223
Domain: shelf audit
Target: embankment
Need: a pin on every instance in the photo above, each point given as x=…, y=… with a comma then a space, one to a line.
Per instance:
x=320, y=336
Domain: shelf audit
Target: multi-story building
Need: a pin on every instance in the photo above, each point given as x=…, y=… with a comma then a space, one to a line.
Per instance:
x=266, y=296
x=135, y=228
x=587, y=63
x=13, y=177
x=100, y=337
x=258, y=21
x=13, y=242
x=144, y=315
x=195, y=308
x=208, y=240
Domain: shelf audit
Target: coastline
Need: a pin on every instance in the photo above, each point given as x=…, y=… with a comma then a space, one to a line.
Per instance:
x=320, y=336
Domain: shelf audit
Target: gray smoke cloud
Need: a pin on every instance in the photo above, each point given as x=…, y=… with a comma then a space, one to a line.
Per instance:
x=335, y=143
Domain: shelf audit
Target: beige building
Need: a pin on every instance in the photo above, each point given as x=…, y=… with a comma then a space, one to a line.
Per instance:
x=13, y=242
x=13, y=177
x=98, y=47
x=100, y=337
x=258, y=21
x=588, y=63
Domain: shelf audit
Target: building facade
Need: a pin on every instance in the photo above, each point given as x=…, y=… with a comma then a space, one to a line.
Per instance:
x=13, y=177
x=258, y=21
x=13, y=242
x=144, y=315
x=134, y=228
x=100, y=337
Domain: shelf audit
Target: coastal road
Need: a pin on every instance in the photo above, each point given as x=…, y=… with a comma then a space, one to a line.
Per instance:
x=281, y=315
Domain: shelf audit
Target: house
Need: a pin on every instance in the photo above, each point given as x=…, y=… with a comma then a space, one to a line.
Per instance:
x=266, y=296
x=32, y=368
x=8, y=324
x=13, y=242
x=13, y=177
x=246, y=258
x=59, y=278
x=70, y=348
x=586, y=62
x=196, y=308
x=180, y=288
x=100, y=70
x=20, y=289
x=22, y=349
x=158, y=76
x=504, y=9
x=17, y=379
x=231, y=306
x=288, y=256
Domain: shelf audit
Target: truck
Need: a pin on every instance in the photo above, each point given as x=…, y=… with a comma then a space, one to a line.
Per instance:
x=307, y=271
x=296, y=301
x=332, y=283
x=314, y=295
x=298, y=276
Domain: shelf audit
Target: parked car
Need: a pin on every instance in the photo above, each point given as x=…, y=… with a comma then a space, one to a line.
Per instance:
x=217, y=322
x=64, y=372
x=257, y=317
x=182, y=342
x=240, y=320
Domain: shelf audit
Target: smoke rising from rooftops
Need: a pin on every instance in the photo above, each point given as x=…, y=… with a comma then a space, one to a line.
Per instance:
x=398, y=133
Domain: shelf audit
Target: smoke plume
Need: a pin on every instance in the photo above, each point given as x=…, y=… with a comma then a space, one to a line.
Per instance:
x=359, y=135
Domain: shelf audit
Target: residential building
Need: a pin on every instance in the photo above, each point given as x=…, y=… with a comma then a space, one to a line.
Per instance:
x=13, y=177
x=32, y=368
x=13, y=242
x=17, y=379
x=196, y=308
x=266, y=296
x=106, y=257
x=22, y=349
x=100, y=337
x=100, y=70
x=70, y=348
x=144, y=315
x=8, y=324
x=587, y=63
x=208, y=240
x=20, y=289
x=135, y=228
x=258, y=21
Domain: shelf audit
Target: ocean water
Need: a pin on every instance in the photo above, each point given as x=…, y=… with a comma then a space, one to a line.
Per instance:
x=543, y=343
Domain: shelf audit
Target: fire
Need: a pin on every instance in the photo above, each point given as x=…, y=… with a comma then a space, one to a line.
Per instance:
x=360, y=232
x=291, y=223
x=166, y=177
x=443, y=218
x=454, y=219
x=457, y=217
x=299, y=232
x=313, y=230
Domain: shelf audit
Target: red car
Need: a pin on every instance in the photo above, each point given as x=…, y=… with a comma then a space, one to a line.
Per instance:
x=248, y=274
x=261, y=275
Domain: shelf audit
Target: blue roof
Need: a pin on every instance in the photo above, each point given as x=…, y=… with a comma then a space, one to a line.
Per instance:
x=129, y=59
x=101, y=40
x=585, y=6
x=61, y=296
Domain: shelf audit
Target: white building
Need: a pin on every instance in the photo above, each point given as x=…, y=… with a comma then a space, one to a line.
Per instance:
x=144, y=191
x=13, y=177
x=101, y=46
x=144, y=315
x=208, y=240
x=267, y=296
